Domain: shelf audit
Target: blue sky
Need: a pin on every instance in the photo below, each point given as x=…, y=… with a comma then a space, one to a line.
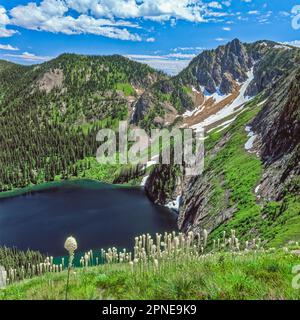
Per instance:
x=164, y=33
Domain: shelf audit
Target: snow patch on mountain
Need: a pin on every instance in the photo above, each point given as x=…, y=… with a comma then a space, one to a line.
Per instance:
x=282, y=46
x=251, y=136
x=230, y=109
x=144, y=181
x=257, y=188
x=217, y=96
x=174, y=205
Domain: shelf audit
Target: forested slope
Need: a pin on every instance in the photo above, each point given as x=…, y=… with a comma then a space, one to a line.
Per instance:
x=50, y=113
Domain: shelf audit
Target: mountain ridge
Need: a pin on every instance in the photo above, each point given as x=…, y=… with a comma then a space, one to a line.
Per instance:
x=219, y=70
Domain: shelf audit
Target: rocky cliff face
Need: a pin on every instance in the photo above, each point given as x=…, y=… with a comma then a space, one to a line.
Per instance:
x=251, y=178
x=219, y=68
x=212, y=201
x=162, y=103
x=164, y=184
x=278, y=128
x=273, y=61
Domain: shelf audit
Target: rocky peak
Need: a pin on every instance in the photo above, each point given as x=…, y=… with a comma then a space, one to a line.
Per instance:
x=212, y=69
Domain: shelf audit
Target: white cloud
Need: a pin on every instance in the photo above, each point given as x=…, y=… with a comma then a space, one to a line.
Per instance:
x=27, y=57
x=4, y=20
x=253, y=12
x=294, y=43
x=240, y=18
x=181, y=55
x=145, y=57
x=188, y=49
x=284, y=14
x=150, y=39
x=264, y=18
x=158, y=10
x=107, y=17
x=169, y=56
x=227, y=3
x=3, y=16
x=171, y=63
x=215, y=4
x=8, y=47
x=173, y=22
x=226, y=28
x=217, y=14
x=49, y=16
x=171, y=67
x=6, y=33
x=220, y=39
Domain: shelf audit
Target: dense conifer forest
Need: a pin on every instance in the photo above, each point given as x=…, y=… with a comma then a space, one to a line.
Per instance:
x=50, y=113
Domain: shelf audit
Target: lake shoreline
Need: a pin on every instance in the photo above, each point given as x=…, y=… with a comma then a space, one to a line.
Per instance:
x=50, y=184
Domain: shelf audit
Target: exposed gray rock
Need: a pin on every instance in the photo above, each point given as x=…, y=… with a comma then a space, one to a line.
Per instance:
x=227, y=83
x=271, y=65
x=278, y=125
x=164, y=184
x=220, y=67
x=142, y=106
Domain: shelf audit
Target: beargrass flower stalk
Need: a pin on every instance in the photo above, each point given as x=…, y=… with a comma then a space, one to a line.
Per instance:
x=91, y=256
x=131, y=264
x=199, y=239
x=247, y=245
x=70, y=246
x=232, y=235
x=259, y=243
x=236, y=242
x=230, y=243
x=224, y=237
x=156, y=265
x=148, y=254
x=205, y=235
x=81, y=261
x=86, y=259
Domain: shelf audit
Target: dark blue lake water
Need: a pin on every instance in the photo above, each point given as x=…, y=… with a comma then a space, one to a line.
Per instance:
x=98, y=215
